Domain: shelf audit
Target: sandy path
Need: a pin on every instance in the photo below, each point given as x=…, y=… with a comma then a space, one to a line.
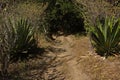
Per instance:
x=72, y=69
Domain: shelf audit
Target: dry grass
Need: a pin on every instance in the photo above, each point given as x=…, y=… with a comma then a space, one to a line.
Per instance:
x=98, y=8
x=31, y=69
x=94, y=65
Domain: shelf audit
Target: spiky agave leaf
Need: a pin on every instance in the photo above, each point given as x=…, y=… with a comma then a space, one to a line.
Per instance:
x=25, y=35
x=106, y=36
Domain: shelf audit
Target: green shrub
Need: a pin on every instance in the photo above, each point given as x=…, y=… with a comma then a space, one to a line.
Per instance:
x=64, y=16
x=106, y=36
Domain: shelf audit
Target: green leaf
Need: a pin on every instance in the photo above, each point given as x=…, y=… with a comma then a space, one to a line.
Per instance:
x=106, y=36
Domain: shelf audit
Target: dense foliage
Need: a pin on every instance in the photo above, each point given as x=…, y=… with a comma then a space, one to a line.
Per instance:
x=64, y=16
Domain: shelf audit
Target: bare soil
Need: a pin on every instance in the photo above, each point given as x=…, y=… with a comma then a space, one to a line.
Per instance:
x=80, y=62
x=70, y=65
x=68, y=58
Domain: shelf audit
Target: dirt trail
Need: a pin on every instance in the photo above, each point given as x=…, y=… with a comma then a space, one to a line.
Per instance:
x=72, y=69
x=75, y=59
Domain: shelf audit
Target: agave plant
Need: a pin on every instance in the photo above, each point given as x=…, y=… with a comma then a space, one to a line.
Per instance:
x=23, y=34
x=24, y=37
x=15, y=37
x=106, y=36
